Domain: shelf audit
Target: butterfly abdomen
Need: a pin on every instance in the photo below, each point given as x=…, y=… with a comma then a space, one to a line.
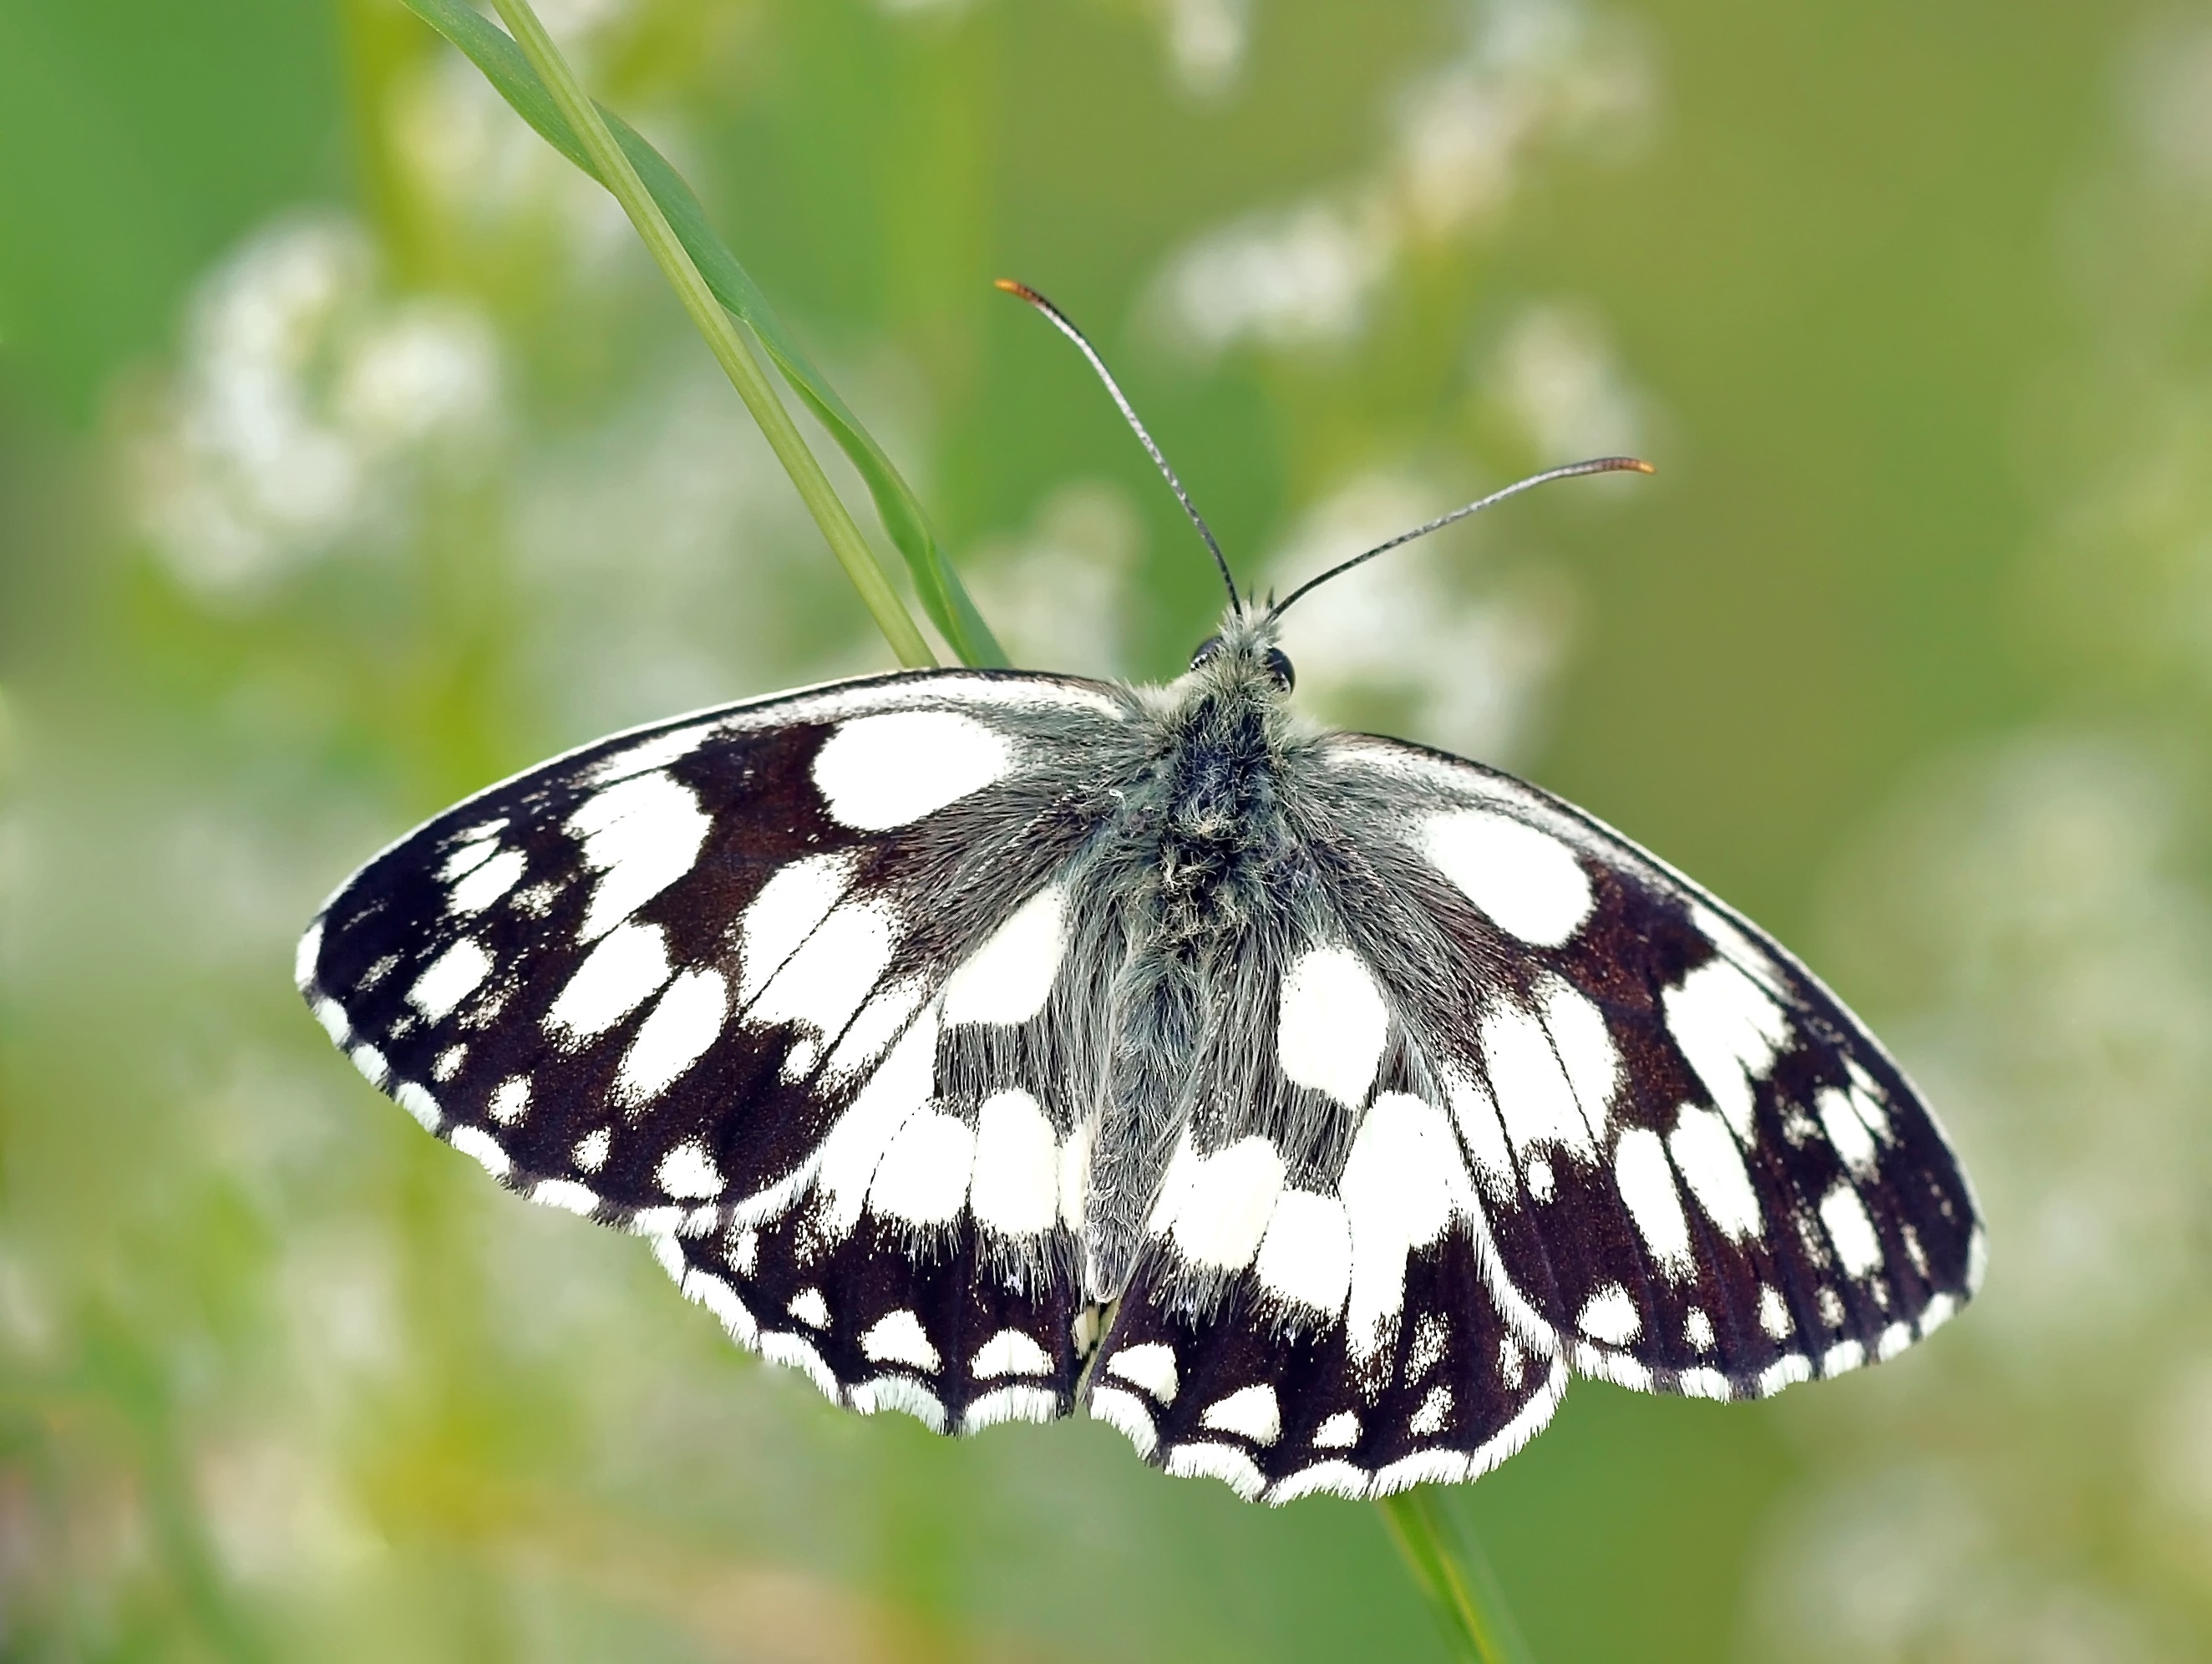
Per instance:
x=1202, y=863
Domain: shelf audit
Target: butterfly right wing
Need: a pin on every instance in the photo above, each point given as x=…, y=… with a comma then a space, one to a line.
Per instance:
x=775, y=986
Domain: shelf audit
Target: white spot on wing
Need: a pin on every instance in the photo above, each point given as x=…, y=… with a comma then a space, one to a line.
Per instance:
x=1007, y=980
x=1527, y=882
x=1730, y=1029
x=1774, y=1312
x=1845, y=1216
x=1009, y=1404
x=874, y=1027
x=923, y=1176
x=1017, y=1182
x=640, y=837
x=1306, y=1255
x=1479, y=1129
x=450, y=978
x=1840, y=1120
x=1843, y=1355
x=481, y=888
x=1249, y=1411
x=591, y=1151
x=1333, y=1024
x=848, y=1156
x=1217, y=1205
x=1611, y=1316
x=475, y=1141
x=878, y=772
x=655, y=753
x=1402, y=1184
x=688, y=1172
x=305, y=955
x=898, y=1338
x=795, y=900
x=1436, y=1409
x=1534, y=1096
x=567, y=1194
x=1125, y=1413
x=472, y=852
x=510, y=1100
x=1698, y=1330
x=675, y=1035
x=1009, y=1352
x=374, y=1069
x=1075, y=1175
x=1706, y=1153
x=1151, y=1366
x=1783, y=1372
x=1225, y=1462
x=1647, y=1185
x=617, y=976
x=418, y=1102
x=811, y=1308
x=824, y=983
x=1585, y=1051
x=1339, y=1432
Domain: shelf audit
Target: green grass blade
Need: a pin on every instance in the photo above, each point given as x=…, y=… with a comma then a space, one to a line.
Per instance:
x=1454, y=1574
x=936, y=583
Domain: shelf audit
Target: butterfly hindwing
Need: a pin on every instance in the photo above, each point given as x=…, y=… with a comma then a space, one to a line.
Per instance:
x=770, y=984
x=1700, y=1173
x=1281, y=1402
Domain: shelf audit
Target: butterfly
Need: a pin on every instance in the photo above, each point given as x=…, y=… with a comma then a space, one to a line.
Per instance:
x=1307, y=1105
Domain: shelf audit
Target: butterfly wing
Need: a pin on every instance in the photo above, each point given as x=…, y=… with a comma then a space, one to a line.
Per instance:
x=1700, y=1172
x=779, y=986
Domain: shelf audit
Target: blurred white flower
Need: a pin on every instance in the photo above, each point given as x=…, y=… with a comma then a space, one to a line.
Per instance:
x=1556, y=376
x=1536, y=72
x=1207, y=41
x=1401, y=644
x=302, y=395
x=277, y=1513
x=661, y=552
x=2170, y=105
x=1058, y=595
x=1284, y=280
x=491, y=174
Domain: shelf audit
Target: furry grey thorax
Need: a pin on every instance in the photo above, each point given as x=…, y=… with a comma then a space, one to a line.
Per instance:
x=1207, y=877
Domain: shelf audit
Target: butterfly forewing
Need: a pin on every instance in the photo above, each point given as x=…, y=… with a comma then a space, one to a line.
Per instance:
x=1700, y=1172
x=775, y=983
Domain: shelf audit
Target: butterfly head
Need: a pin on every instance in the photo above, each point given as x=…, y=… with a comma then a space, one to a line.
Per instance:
x=1243, y=658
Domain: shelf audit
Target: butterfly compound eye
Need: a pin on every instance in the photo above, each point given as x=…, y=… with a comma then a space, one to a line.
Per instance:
x=1207, y=649
x=1279, y=666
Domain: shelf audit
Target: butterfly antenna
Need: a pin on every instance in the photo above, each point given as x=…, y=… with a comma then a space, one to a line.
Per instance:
x=1595, y=465
x=1060, y=322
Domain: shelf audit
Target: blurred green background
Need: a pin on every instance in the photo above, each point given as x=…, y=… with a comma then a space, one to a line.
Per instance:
x=352, y=454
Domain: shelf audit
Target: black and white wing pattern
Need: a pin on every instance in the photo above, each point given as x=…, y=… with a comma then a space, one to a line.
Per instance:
x=1698, y=1171
x=780, y=987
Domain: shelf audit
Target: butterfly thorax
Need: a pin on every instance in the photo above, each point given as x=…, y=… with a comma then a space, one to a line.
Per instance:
x=1205, y=857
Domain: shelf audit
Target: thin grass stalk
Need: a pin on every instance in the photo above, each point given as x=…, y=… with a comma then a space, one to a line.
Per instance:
x=1450, y=1572
x=1453, y=1572
x=729, y=348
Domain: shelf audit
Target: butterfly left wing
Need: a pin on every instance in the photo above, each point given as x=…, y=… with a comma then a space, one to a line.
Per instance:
x=779, y=986
x=1698, y=1172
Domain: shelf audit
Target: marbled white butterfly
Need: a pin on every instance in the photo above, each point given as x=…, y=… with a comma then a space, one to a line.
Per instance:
x=1306, y=1104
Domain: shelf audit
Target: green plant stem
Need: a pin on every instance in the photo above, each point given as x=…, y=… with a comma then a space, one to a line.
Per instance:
x=1454, y=1573
x=729, y=348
